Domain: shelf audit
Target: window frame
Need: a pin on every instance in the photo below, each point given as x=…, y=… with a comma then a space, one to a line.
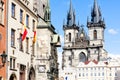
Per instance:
x=27, y=20
x=21, y=16
x=13, y=7
x=12, y=38
x=27, y=45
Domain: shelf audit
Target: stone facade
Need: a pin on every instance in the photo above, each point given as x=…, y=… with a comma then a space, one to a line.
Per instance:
x=47, y=42
x=82, y=51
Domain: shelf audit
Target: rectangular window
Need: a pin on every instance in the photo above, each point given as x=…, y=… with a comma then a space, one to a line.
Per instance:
x=10, y=63
x=13, y=10
x=20, y=43
x=12, y=37
x=33, y=25
x=21, y=16
x=13, y=63
x=27, y=45
x=27, y=20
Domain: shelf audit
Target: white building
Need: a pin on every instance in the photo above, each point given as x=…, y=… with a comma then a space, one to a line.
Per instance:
x=84, y=56
x=21, y=54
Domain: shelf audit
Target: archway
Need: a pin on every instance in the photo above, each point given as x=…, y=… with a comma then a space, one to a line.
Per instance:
x=31, y=75
x=82, y=57
x=13, y=77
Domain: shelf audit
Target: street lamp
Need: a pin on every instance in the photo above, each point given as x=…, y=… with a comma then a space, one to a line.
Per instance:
x=3, y=55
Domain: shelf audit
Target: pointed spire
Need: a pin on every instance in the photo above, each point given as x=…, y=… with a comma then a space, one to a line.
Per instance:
x=71, y=15
x=47, y=13
x=96, y=14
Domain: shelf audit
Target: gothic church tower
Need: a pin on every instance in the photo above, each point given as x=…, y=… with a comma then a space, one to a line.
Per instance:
x=80, y=47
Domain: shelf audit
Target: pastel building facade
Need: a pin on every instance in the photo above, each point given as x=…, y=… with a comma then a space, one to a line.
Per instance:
x=21, y=24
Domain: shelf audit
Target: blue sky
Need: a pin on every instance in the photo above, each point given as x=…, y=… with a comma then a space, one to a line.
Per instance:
x=110, y=12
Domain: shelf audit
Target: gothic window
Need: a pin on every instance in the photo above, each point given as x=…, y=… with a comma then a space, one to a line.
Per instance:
x=95, y=34
x=69, y=36
x=82, y=57
x=43, y=7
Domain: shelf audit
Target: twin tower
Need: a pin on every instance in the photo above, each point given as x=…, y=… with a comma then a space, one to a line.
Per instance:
x=80, y=47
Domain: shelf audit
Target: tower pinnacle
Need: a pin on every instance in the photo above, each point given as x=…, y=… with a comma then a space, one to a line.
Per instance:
x=95, y=14
x=71, y=16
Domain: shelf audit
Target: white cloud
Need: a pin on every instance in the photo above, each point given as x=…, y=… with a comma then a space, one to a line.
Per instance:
x=112, y=31
x=114, y=56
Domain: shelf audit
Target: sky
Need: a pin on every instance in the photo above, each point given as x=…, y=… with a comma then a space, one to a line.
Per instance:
x=110, y=10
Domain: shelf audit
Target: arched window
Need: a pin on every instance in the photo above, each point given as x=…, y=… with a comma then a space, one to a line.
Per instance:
x=95, y=34
x=82, y=57
x=69, y=36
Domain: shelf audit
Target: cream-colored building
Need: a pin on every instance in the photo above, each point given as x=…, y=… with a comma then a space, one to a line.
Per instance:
x=84, y=56
x=21, y=54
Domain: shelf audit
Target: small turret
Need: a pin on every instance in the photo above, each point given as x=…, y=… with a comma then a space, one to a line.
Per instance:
x=47, y=15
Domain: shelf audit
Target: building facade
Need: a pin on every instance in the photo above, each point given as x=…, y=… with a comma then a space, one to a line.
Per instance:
x=3, y=27
x=84, y=55
x=47, y=42
x=21, y=45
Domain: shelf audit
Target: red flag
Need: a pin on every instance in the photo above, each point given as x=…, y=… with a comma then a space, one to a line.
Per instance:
x=25, y=30
x=24, y=34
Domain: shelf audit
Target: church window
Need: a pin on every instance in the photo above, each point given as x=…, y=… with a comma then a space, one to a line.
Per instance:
x=82, y=57
x=43, y=7
x=95, y=34
x=69, y=36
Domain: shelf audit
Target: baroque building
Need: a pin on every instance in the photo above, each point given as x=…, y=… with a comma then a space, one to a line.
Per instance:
x=84, y=56
x=47, y=42
x=21, y=45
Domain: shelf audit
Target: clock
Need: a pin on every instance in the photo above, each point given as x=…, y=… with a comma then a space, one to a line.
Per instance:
x=81, y=35
x=41, y=68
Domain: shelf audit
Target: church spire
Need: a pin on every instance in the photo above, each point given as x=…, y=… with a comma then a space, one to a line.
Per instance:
x=95, y=14
x=47, y=15
x=71, y=16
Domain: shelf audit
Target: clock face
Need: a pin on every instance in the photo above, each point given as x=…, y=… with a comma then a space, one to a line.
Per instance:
x=41, y=68
x=82, y=35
